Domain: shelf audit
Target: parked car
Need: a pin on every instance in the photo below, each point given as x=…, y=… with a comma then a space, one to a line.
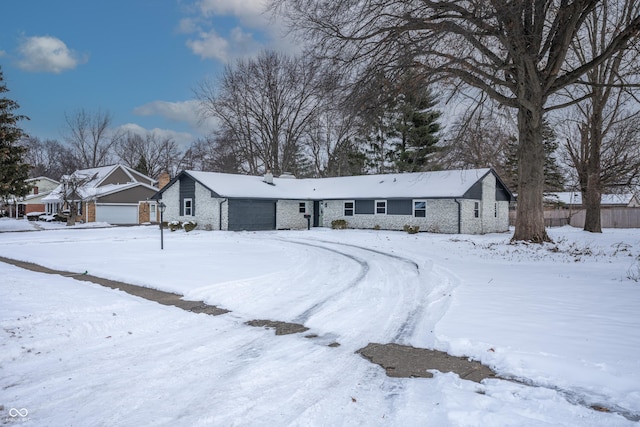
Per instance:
x=34, y=216
x=47, y=217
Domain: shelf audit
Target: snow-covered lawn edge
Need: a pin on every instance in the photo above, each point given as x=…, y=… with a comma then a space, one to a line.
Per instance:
x=561, y=316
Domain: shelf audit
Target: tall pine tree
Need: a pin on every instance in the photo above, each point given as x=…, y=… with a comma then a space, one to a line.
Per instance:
x=416, y=128
x=13, y=169
x=399, y=123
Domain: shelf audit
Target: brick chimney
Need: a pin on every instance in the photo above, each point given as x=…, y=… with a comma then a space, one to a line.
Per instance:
x=163, y=180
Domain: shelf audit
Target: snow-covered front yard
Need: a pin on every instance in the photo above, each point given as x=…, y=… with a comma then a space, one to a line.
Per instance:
x=563, y=317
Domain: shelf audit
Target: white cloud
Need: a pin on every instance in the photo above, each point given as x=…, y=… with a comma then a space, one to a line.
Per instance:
x=188, y=26
x=248, y=9
x=183, y=139
x=185, y=111
x=210, y=45
x=256, y=30
x=47, y=54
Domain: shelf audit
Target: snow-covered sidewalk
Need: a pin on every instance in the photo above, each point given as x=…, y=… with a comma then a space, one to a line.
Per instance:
x=562, y=317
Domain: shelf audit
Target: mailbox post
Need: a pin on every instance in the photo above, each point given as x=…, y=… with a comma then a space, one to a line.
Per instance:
x=162, y=207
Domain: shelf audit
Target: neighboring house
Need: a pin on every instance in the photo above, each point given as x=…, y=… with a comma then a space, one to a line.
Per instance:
x=573, y=200
x=616, y=210
x=32, y=202
x=471, y=201
x=41, y=187
x=114, y=194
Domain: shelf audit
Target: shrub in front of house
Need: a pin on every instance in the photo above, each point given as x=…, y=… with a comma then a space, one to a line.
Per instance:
x=189, y=225
x=339, y=224
x=175, y=225
x=411, y=229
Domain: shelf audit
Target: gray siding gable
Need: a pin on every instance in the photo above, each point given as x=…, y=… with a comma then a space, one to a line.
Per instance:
x=187, y=191
x=475, y=192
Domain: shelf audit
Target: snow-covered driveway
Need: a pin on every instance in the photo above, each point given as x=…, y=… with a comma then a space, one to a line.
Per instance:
x=76, y=353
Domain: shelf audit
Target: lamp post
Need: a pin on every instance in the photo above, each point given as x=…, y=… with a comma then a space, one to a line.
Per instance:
x=162, y=207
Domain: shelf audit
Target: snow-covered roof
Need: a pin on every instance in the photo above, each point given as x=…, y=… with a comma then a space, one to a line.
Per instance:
x=92, y=188
x=439, y=184
x=42, y=178
x=575, y=198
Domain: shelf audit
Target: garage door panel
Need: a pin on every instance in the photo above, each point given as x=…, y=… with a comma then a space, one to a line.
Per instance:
x=117, y=214
x=252, y=215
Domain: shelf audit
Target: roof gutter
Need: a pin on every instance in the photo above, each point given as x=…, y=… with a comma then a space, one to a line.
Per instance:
x=459, y=215
x=220, y=213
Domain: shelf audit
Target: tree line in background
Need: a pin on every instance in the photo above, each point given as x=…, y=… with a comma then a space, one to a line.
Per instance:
x=544, y=92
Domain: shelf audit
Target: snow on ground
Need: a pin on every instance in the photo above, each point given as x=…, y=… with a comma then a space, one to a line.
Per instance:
x=561, y=317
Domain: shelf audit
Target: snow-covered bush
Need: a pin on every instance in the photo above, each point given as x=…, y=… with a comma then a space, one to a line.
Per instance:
x=411, y=229
x=339, y=224
x=634, y=271
x=175, y=225
x=189, y=225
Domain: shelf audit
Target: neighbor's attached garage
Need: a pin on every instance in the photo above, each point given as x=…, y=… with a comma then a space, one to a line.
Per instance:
x=252, y=214
x=117, y=214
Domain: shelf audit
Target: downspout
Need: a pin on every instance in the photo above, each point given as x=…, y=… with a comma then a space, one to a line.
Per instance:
x=459, y=215
x=220, y=214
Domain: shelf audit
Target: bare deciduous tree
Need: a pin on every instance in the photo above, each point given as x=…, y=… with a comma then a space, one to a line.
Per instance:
x=150, y=155
x=595, y=148
x=215, y=154
x=333, y=128
x=71, y=193
x=514, y=51
x=264, y=105
x=480, y=138
x=49, y=158
x=91, y=138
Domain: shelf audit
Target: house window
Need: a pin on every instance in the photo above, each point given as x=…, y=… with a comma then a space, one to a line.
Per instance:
x=381, y=207
x=302, y=207
x=79, y=208
x=420, y=209
x=188, y=207
x=348, y=208
x=476, y=210
x=35, y=190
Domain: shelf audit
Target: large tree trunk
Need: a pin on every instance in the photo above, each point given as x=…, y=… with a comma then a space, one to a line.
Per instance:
x=591, y=202
x=591, y=198
x=530, y=213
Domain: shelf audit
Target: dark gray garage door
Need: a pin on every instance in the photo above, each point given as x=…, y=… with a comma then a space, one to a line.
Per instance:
x=251, y=214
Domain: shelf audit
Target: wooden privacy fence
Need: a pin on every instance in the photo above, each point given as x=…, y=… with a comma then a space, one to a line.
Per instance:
x=618, y=217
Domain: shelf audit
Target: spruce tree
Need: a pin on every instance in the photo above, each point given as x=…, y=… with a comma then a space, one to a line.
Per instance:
x=417, y=129
x=143, y=166
x=13, y=169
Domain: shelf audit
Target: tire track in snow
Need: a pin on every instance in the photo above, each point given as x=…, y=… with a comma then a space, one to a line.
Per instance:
x=408, y=325
x=387, y=254
x=364, y=269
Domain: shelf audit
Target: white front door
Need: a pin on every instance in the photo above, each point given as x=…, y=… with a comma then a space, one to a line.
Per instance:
x=153, y=215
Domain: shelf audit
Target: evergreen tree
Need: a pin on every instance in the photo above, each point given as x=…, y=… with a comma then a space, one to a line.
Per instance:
x=553, y=177
x=417, y=129
x=347, y=160
x=399, y=123
x=143, y=166
x=13, y=169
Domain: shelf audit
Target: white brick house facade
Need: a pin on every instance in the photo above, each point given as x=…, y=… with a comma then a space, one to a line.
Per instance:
x=475, y=202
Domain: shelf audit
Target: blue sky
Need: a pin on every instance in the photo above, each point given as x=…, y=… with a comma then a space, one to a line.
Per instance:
x=140, y=60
